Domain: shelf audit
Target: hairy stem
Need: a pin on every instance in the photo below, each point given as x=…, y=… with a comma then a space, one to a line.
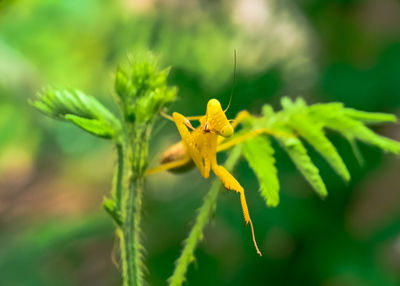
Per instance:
x=203, y=217
x=130, y=243
x=131, y=246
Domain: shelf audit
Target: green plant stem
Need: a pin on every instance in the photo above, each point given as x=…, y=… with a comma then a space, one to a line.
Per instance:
x=119, y=175
x=130, y=242
x=203, y=217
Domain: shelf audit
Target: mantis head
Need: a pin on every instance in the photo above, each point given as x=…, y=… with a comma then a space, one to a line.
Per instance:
x=216, y=121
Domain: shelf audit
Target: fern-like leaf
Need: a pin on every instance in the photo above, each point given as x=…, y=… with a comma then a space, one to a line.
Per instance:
x=83, y=110
x=260, y=155
x=298, y=153
x=312, y=131
x=350, y=123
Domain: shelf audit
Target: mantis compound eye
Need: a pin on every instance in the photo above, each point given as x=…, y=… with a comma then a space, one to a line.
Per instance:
x=226, y=131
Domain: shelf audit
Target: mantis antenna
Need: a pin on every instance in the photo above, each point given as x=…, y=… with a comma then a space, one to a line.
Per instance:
x=234, y=78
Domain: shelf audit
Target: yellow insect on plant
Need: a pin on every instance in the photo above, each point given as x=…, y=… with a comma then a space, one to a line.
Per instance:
x=200, y=146
x=143, y=92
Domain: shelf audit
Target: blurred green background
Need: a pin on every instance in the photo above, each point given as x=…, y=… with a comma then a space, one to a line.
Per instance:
x=53, y=176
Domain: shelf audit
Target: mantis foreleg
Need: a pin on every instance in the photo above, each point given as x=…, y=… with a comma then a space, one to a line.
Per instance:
x=189, y=142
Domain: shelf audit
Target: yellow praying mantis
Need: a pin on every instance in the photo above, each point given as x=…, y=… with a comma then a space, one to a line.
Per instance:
x=201, y=144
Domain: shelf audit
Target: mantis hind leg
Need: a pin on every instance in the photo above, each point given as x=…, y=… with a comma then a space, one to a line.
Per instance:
x=231, y=183
x=169, y=166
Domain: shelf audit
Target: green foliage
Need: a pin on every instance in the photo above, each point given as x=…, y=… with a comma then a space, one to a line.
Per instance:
x=142, y=93
x=365, y=117
x=350, y=123
x=260, y=155
x=298, y=153
x=95, y=127
x=142, y=90
x=288, y=126
x=312, y=131
x=361, y=64
x=298, y=120
x=81, y=109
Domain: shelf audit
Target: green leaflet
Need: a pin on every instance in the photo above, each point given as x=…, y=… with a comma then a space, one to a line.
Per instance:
x=349, y=123
x=369, y=117
x=312, y=131
x=314, y=135
x=260, y=155
x=92, y=126
x=354, y=129
x=83, y=110
x=336, y=108
x=298, y=153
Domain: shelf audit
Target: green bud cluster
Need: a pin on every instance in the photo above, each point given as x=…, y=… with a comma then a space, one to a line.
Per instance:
x=142, y=90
